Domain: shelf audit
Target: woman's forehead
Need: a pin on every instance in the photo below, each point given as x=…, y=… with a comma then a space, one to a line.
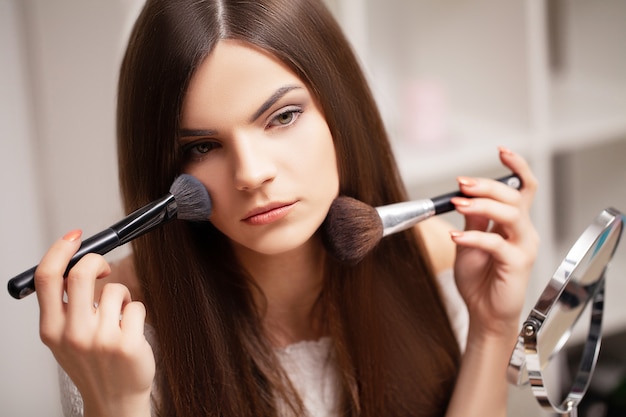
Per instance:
x=236, y=75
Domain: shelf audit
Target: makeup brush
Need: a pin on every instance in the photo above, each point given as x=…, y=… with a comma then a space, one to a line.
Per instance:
x=187, y=199
x=352, y=228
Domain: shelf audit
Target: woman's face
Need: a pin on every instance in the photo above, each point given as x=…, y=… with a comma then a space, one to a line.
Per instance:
x=256, y=138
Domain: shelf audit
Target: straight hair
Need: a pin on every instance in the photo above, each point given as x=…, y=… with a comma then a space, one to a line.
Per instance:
x=392, y=342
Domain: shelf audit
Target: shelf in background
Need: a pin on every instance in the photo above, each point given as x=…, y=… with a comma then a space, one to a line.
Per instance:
x=586, y=114
x=470, y=149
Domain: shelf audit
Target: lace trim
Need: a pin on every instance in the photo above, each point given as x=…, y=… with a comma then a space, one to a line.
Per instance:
x=320, y=345
x=71, y=401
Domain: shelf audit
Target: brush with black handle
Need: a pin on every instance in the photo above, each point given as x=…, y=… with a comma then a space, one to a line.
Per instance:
x=353, y=228
x=187, y=199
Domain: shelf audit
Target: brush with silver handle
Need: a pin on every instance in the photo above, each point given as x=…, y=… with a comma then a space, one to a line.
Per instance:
x=352, y=228
x=400, y=216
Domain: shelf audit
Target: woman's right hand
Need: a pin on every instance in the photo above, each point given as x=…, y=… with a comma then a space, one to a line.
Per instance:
x=103, y=349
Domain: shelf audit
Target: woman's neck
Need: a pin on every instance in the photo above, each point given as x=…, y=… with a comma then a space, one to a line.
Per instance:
x=290, y=285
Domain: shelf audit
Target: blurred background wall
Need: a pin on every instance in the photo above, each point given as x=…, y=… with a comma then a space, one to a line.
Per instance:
x=58, y=74
x=454, y=80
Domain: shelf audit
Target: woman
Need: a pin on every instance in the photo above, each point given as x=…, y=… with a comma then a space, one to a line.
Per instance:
x=248, y=315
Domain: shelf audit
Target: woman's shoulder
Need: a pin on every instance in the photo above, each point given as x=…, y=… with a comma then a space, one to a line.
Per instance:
x=435, y=233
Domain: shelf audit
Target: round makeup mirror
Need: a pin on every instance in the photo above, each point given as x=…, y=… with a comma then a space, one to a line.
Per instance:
x=577, y=285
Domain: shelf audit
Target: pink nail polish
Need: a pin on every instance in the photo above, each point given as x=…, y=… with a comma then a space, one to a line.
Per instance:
x=461, y=202
x=73, y=235
x=455, y=234
x=466, y=181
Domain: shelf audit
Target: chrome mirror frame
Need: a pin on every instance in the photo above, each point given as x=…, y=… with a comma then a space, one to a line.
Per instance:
x=578, y=283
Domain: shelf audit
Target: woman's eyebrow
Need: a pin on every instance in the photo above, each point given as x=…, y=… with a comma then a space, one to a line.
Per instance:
x=273, y=99
x=196, y=132
x=278, y=94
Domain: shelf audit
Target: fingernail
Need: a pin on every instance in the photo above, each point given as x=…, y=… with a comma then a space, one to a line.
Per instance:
x=460, y=201
x=73, y=235
x=505, y=151
x=455, y=234
x=466, y=181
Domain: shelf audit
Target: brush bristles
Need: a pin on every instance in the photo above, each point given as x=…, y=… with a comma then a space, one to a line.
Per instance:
x=351, y=230
x=192, y=198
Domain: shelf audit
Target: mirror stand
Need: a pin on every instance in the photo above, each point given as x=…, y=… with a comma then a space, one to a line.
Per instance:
x=578, y=283
x=569, y=405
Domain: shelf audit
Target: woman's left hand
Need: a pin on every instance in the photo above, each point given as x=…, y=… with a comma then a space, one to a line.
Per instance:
x=497, y=249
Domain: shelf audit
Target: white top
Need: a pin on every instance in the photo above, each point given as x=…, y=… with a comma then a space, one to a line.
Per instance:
x=308, y=363
x=311, y=370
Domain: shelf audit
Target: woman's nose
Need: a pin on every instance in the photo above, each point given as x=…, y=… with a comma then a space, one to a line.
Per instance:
x=253, y=165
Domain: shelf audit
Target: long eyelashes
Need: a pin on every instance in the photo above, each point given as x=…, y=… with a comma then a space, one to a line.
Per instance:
x=196, y=150
x=285, y=117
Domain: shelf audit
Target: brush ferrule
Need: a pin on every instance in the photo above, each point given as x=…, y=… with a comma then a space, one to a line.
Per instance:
x=146, y=218
x=401, y=216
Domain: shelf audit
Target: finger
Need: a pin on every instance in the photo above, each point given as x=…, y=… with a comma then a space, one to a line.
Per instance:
x=489, y=188
x=518, y=237
x=486, y=188
x=491, y=243
x=518, y=165
x=481, y=211
x=133, y=318
x=49, y=281
x=81, y=281
x=112, y=301
x=503, y=252
x=473, y=222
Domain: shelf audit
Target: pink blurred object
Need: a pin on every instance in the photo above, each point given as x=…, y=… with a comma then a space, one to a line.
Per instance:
x=425, y=115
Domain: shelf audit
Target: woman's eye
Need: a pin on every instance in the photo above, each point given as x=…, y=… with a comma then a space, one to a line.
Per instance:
x=285, y=118
x=199, y=149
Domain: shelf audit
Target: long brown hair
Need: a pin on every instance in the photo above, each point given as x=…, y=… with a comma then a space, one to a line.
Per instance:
x=392, y=341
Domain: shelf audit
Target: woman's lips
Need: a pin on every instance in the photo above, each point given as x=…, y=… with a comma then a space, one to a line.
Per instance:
x=268, y=214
